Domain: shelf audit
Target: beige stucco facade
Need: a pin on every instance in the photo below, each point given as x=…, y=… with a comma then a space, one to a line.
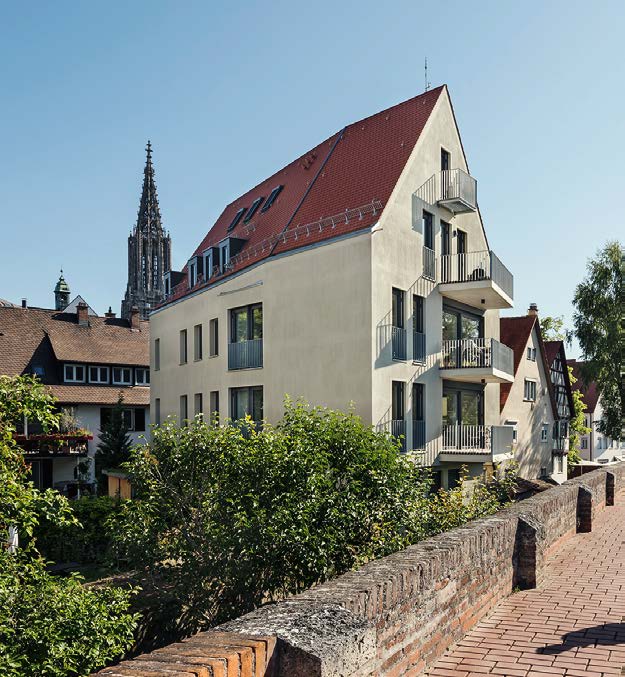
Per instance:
x=327, y=315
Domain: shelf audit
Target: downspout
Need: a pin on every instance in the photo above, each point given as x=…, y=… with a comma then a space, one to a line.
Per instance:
x=312, y=183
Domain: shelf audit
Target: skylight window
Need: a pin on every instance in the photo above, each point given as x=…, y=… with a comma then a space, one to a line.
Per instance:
x=252, y=210
x=236, y=219
x=272, y=198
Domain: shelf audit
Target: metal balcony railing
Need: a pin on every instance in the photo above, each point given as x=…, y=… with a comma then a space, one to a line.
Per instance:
x=458, y=190
x=398, y=431
x=486, y=439
x=418, y=435
x=476, y=266
x=429, y=263
x=418, y=346
x=399, y=343
x=475, y=353
x=245, y=354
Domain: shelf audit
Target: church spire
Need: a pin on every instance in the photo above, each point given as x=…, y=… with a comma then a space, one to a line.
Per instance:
x=149, y=216
x=149, y=250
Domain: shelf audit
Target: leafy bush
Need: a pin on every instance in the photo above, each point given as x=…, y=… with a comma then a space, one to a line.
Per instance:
x=86, y=542
x=228, y=518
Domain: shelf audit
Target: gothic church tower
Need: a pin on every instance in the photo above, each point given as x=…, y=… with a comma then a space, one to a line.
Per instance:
x=149, y=250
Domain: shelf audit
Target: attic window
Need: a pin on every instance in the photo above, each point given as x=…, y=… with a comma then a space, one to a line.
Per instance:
x=252, y=210
x=236, y=219
x=272, y=198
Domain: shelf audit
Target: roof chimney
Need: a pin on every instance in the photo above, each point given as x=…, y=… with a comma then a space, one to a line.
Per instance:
x=109, y=314
x=533, y=309
x=134, y=318
x=24, y=303
x=82, y=312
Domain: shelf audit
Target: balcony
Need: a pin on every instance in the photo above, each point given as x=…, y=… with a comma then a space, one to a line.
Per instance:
x=458, y=191
x=477, y=360
x=418, y=435
x=478, y=279
x=398, y=336
x=245, y=354
x=398, y=431
x=418, y=347
x=477, y=443
x=54, y=445
x=429, y=263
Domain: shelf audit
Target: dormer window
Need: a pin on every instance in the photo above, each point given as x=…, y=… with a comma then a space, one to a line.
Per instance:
x=74, y=373
x=236, y=219
x=195, y=269
x=167, y=283
x=211, y=259
x=98, y=374
x=252, y=210
x=122, y=376
x=142, y=376
x=224, y=255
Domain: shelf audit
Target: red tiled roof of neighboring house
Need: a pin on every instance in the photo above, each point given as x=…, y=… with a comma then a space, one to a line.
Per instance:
x=515, y=333
x=355, y=169
x=590, y=392
x=101, y=395
x=43, y=336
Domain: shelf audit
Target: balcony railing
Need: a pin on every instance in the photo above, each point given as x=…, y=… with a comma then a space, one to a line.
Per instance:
x=59, y=444
x=418, y=435
x=476, y=266
x=398, y=431
x=399, y=343
x=458, y=191
x=418, y=346
x=245, y=354
x=475, y=353
x=481, y=439
x=429, y=263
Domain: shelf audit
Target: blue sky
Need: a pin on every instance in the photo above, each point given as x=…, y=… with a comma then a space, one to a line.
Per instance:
x=230, y=92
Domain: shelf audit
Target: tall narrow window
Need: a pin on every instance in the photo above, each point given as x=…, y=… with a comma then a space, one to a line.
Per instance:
x=213, y=337
x=183, y=346
x=418, y=328
x=445, y=238
x=445, y=160
x=184, y=411
x=214, y=404
x=157, y=354
x=157, y=411
x=398, y=424
x=197, y=342
x=529, y=390
x=398, y=308
x=198, y=405
x=398, y=336
x=428, y=230
x=418, y=416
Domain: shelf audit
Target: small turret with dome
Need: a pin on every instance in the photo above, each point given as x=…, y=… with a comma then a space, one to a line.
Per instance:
x=61, y=293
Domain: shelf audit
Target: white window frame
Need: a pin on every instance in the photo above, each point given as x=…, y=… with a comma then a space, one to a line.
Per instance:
x=99, y=369
x=527, y=391
x=544, y=432
x=74, y=367
x=122, y=381
x=208, y=264
x=531, y=354
x=146, y=373
x=515, y=431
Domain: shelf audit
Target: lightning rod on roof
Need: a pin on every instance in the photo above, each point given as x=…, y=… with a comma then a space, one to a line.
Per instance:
x=427, y=83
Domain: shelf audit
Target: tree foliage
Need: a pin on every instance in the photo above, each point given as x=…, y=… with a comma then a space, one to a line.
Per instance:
x=48, y=625
x=598, y=303
x=228, y=518
x=553, y=329
x=577, y=427
x=115, y=443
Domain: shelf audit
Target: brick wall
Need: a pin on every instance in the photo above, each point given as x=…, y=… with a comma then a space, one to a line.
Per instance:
x=396, y=615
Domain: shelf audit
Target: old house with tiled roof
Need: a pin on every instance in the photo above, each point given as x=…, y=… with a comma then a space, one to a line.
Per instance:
x=358, y=273
x=87, y=362
x=529, y=404
x=595, y=446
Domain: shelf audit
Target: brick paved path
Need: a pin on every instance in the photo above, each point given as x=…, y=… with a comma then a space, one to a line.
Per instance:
x=573, y=625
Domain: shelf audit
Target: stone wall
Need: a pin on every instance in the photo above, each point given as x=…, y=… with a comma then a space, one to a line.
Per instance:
x=396, y=615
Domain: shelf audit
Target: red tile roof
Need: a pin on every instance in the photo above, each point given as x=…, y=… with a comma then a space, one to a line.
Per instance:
x=552, y=348
x=590, y=391
x=101, y=395
x=355, y=169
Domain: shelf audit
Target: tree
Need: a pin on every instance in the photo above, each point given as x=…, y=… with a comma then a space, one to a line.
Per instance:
x=598, y=302
x=48, y=625
x=228, y=517
x=115, y=443
x=577, y=428
x=552, y=329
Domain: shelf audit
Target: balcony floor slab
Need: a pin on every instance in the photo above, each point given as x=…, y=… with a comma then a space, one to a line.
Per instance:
x=483, y=294
x=476, y=375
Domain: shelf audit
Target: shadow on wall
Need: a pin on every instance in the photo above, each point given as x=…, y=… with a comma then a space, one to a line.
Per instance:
x=607, y=634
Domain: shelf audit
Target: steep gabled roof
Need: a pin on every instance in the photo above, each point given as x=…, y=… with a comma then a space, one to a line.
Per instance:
x=590, y=392
x=355, y=169
x=515, y=333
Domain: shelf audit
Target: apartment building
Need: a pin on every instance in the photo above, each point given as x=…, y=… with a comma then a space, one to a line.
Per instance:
x=87, y=362
x=532, y=405
x=595, y=446
x=359, y=274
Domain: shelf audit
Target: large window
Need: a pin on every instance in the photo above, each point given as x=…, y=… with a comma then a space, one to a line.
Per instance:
x=246, y=323
x=460, y=324
x=197, y=342
x=134, y=418
x=122, y=376
x=98, y=374
x=74, y=373
x=246, y=401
